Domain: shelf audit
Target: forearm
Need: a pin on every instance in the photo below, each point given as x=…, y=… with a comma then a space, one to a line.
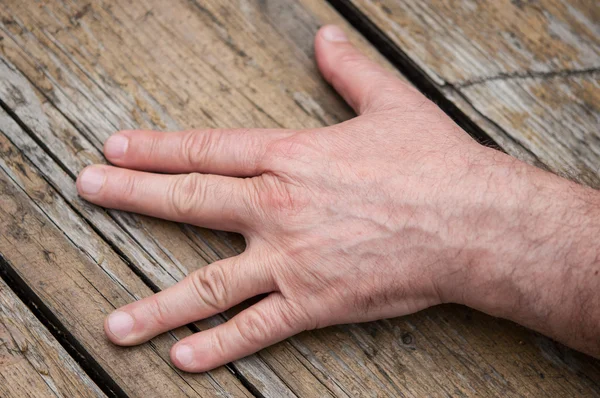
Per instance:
x=534, y=254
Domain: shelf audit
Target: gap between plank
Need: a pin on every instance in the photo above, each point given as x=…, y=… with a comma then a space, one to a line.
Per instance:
x=66, y=339
x=414, y=74
x=59, y=331
x=381, y=42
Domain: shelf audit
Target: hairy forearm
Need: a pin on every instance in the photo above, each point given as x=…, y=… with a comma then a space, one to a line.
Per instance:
x=533, y=253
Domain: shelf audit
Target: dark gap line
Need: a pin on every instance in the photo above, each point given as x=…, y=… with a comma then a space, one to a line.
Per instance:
x=31, y=134
x=405, y=65
x=382, y=43
x=47, y=150
x=138, y=272
x=83, y=358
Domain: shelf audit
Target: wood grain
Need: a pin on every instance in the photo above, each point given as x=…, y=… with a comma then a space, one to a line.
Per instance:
x=529, y=69
x=32, y=362
x=74, y=72
x=81, y=279
x=147, y=244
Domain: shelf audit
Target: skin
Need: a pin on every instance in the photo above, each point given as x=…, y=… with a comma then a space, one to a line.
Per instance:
x=380, y=216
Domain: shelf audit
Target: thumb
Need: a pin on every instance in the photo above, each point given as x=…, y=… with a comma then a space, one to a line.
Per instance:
x=365, y=85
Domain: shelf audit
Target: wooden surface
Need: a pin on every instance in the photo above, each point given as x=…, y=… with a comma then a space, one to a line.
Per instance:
x=80, y=279
x=73, y=72
x=528, y=70
x=32, y=362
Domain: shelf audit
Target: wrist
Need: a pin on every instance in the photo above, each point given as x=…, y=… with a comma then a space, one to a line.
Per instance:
x=529, y=245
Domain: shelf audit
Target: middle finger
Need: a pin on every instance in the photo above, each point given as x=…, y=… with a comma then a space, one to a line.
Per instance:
x=206, y=200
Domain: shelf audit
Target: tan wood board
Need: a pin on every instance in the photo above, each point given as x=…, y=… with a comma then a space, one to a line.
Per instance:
x=529, y=71
x=78, y=72
x=77, y=275
x=32, y=362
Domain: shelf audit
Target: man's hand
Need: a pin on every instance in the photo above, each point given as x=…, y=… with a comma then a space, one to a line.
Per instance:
x=383, y=215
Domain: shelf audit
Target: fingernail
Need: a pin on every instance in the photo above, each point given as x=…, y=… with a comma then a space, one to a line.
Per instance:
x=184, y=354
x=116, y=146
x=120, y=324
x=91, y=180
x=334, y=33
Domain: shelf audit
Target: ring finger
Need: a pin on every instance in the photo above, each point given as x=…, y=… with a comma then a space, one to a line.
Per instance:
x=204, y=293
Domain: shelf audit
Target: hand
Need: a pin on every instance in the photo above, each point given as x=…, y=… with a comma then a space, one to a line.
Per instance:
x=368, y=219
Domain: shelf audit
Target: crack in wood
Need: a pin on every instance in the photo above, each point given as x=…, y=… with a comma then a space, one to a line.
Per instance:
x=415, y=75
x=565, y=73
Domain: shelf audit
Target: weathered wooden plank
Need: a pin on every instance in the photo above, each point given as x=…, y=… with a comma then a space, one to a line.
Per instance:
x=224, y=64
x=72, y=143
x=557, y=119
x=154, y=248
x=32, y=362
x=81, y=279
x=532, y=69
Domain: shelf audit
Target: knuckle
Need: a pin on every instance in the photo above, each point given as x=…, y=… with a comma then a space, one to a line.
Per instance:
x=282, y=154
x=186, y=193
x=252, y=157
x=250, y=193
x=128, y=186
x=154, y=146
x=195, y=147
x=348, y=59
x=218, y=344
x=284, y=149
x=277, y=195
x=158, y=312
x=210, y=286
x=284, y=159
x=254, y=327
x=351, y=59
x=293, y=316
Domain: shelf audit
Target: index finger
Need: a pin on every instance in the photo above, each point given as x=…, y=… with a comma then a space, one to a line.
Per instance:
x=230, y=152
